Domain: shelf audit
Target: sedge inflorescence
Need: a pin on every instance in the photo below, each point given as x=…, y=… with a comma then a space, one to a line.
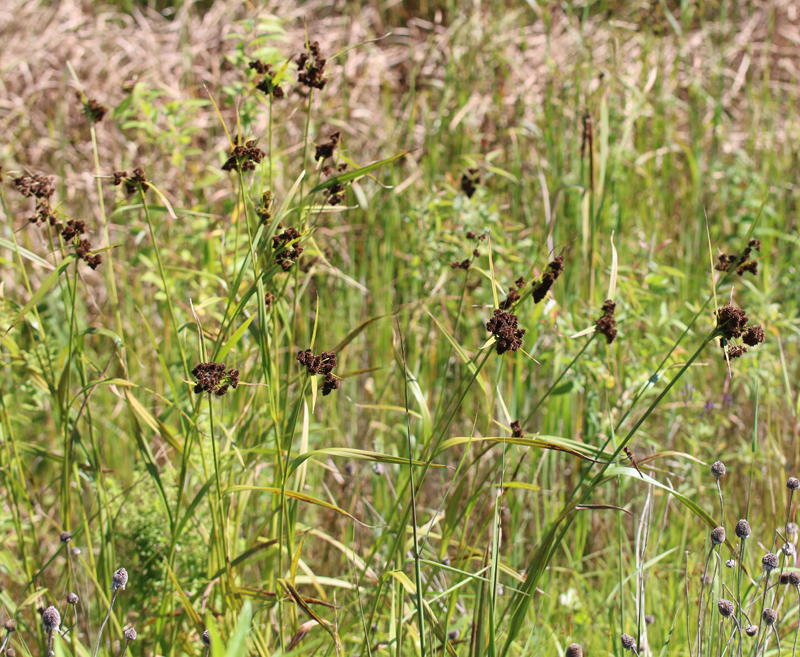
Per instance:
x=732, y=324
x=504, y=326
x=322, y=364
x=214, y=378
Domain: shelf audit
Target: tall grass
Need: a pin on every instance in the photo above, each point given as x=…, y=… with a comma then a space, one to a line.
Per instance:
x=389, y=503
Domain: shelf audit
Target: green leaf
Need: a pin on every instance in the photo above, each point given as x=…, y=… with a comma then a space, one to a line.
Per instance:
x=358, y=173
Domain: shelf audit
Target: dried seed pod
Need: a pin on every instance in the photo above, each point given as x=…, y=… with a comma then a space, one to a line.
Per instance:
x=11, y=653
x=789, y=549
x=718, y=536
x=51, y=619
x=119, y=579
x=793, y=483
x=65, y=537
x=72, y=599
x=751, y=630
x=718, y=469
x=628, y=642
x=649, y=619
x=452, y=635
x=10, y=625
x=794, y=578
x=743, y=528
x=770, y=561
x=726, y=608
x=206, y=638
x=574, y=650
x=730, y=563
x=130, y=634
x=769, y=616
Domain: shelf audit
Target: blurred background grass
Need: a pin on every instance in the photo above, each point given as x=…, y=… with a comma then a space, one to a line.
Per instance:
x=694, y=111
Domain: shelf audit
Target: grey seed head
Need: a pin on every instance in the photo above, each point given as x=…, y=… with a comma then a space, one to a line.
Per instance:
x=628, y=642
x=794, y=578
x=75, y=551
x=574, y=650
x=51, y=619
x=726, y=608
x=718, y=536
x=10, y=625
x=72, y=599
x=793, y=483
x=792, y=528
x=743, y=528
x=445, y=561
x=120, y=579
x=65, y=537
x=751, y=630
x=707, y=579
x=789, y=549
x=206, y=638
x=769, y=616
x=649, y=619
x=378, y=468
x=770, y=561
x=129, y=634
x=11, y=653
x=730, y=563
x=452, y=635
x=718, y=469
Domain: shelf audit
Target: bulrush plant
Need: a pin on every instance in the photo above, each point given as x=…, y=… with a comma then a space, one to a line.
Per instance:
x=168, y=363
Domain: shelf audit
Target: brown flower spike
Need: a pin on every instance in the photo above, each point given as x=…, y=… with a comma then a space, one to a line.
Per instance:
x=504, y=327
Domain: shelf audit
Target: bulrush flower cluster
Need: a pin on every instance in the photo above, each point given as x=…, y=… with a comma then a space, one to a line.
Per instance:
x=470, y=181
x=311, y=66
x=41, y=188
x=131, y=182
x=322, y=364
x=328, y=148
x=72, y=231
x=267, y=83
x=93, y=110
x=504, y=326
x=463, y=264
x=215, y=378
x=731, y=325
x=244, y=158
x=287, y=256
x=742, y=263
x=551, y=273
x=607, y=325
x=516, y=429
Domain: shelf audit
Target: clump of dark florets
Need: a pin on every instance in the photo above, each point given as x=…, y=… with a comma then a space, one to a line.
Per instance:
x=326, y=149
x=742, y=263
x=215, y=378
x=264, y=211
x=754, y=336
x=504, y=327
x=288, y=254
x=312, y=68
x=269, y=299
x=73, y=229
x=335, y=194
x=607, y=325
x=322, y=364
x=516, y=429
x=510, y=300
x=469, y=182
x=545, y=283
x=464, y=264
x=244, y=158
x=92, y=109
x=84, y=253
x=41, y=188
x=132, y=184
x=267, y=84
x=119, y=176
x=732, y=324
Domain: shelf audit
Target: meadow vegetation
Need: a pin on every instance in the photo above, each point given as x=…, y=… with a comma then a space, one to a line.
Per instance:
x=399, y=328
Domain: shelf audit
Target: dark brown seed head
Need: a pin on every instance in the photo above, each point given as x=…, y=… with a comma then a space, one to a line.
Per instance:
x=770, y=561
x=783, y=579
x=743, y=528
x=469, y=182
x=751, y=630
x=718, y=469
x=730, y=563
x=65, y=537
x=574, y=650
x=769, y=616
x=130, y=634
x=326, y=150
x=10, y=625
x=735, y=351
x=94, y=110
x=119, y=579
x=754, y=244
x=510, y=300
x=72, y=598
x=718, y=536
x=516, y=429
x=504, y=326
x=649, y=619
x=206, y=638
x=51, y=619
x=754, y=336
x=628, y=642
x=789, y=549
x=726, y=608
x=452, y=635
x=793, y=483
x=731, y=321
x=794, y=578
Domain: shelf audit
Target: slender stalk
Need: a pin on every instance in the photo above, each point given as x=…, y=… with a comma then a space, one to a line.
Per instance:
x=49, y=642
x=702, y=588
x=105, y=620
